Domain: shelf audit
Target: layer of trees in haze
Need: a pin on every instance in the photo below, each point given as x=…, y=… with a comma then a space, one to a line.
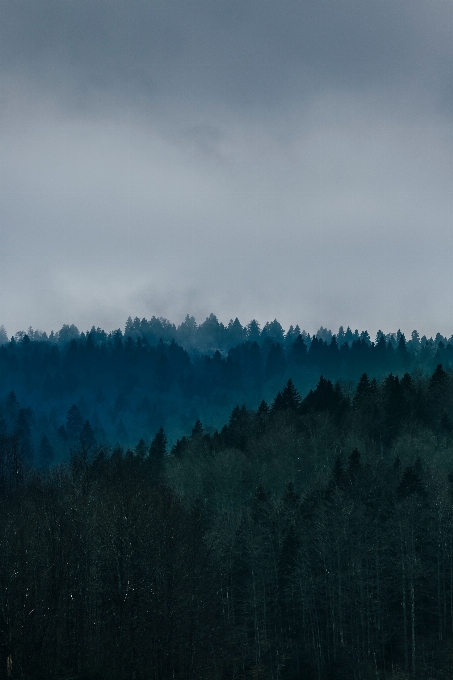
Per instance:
x=212, y=334
x=125, y=386
x=228, y=503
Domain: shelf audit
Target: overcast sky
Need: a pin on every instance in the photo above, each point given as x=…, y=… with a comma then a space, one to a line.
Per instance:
x=251, y=158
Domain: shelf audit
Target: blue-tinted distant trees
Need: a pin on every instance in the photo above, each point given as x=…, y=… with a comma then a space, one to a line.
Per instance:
x=144, y=379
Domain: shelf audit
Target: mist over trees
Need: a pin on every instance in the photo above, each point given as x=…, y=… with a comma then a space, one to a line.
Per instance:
x=232, y=502
x=155, y=374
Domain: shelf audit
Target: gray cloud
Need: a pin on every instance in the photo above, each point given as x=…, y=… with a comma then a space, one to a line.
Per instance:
x=236, y=51
x=263, y=159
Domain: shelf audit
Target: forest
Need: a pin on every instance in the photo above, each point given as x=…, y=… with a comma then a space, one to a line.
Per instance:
x=304, y=531
x=125, y=386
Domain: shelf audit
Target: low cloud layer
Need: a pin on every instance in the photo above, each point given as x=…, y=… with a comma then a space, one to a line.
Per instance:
x=259, y=159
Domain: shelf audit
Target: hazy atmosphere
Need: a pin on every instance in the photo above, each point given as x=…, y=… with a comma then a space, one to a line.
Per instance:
x=251, y=158
x=226, y=339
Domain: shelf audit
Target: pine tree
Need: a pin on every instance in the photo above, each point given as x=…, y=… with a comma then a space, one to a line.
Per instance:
x=197, y=429
x=362, y=390
x=158, y=448
x=140, y=449
x=87, y=438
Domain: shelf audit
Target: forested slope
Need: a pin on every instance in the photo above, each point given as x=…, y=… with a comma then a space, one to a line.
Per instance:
x=126, y=386
x=307, y=538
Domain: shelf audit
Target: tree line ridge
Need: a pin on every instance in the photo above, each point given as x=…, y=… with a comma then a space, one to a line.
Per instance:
x=213, y=335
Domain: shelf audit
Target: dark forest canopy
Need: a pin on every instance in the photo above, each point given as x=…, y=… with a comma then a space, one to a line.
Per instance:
x=126, y=386
x=310, y=537
x=279, y=508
